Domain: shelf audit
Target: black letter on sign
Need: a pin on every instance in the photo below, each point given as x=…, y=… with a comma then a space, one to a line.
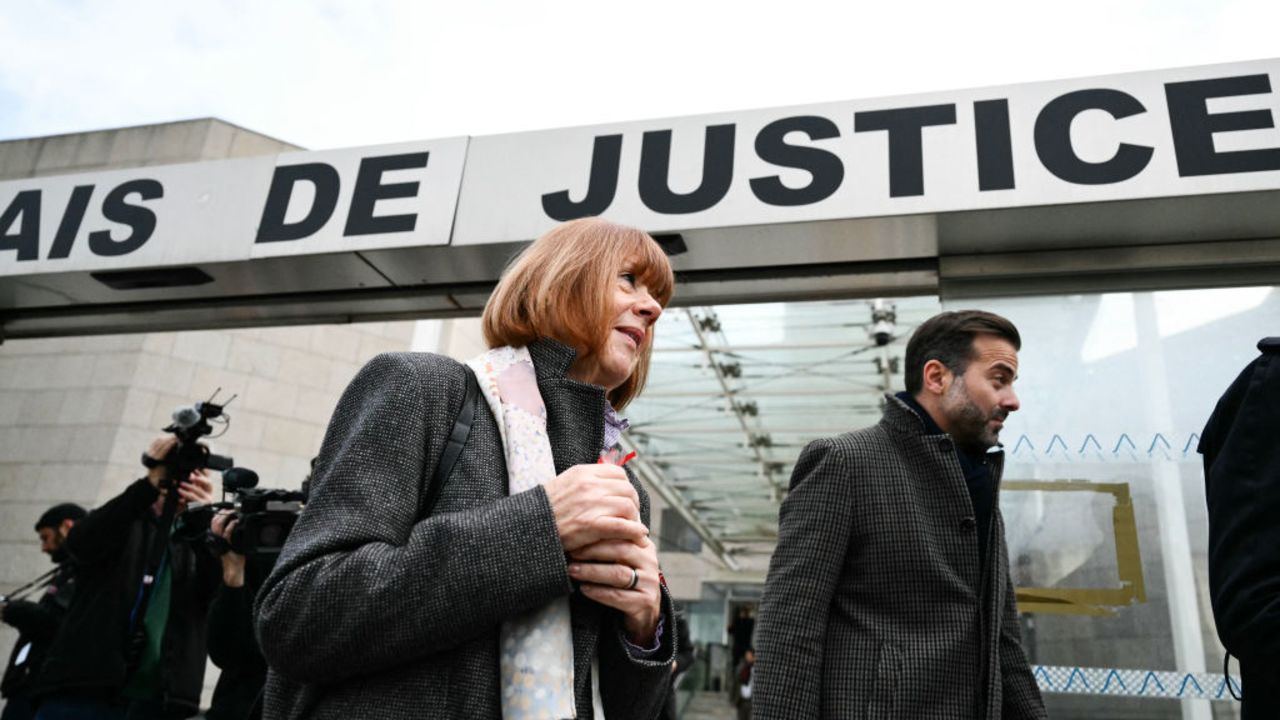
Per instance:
x=1053, y=138
x=655, y=167
x=995, y=151
x=71, y=219
x=824, y=166
x=325, y=179
x=606, y=157
x=1193, y=126
x=369, y=190
x=906, y=151
x=27, y=240
x=141, y=220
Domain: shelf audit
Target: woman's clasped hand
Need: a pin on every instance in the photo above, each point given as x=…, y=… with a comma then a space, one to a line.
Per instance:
x=597, y=513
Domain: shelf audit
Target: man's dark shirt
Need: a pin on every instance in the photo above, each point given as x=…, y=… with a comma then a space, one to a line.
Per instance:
x=977, y=476
x=742, y=630
x=234, y=649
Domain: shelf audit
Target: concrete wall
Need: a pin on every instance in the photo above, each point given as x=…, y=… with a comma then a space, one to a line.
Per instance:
x=166, y=144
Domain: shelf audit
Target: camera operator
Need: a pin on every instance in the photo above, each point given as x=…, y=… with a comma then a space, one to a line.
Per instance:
x=37, y=622
x=91, y=671
x=232, y=645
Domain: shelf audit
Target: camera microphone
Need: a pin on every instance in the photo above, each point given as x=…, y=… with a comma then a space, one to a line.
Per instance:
x=185, y=416
x=238, y=478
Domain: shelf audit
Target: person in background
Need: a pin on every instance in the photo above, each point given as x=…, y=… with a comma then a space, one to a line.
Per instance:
x=741, y=633
x=741, y=636
x=1241, y=448
x=232, y=645
x=37, y=622
x=112, y=658
x=744, y=674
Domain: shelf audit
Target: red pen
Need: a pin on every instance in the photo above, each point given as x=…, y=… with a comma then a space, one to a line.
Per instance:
x=610, y=457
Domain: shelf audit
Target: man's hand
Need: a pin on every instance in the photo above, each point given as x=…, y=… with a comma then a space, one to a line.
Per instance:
x=197, y=488
x=222, y=525
x=605, y=571
x=593, y=503
x=158, y=450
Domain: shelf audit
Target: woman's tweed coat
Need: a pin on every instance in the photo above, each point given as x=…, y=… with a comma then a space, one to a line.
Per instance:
x=876, y=605
x=374, y=612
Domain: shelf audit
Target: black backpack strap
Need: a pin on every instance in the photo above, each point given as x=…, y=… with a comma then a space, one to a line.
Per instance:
x=157, y=555
x=453, y=446
x=1226, y=675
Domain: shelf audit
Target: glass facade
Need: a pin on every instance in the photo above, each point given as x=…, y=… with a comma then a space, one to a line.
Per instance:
x=1104, y=490
x=1104, y=495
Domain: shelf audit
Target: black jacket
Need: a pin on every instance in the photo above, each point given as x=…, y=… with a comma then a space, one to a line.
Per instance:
x=234, y=649
x=37, y=624
x=109, y=548
x=1241, y=448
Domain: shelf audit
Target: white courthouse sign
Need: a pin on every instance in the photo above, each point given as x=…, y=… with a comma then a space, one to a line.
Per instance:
x=1144, y=135
x=1171, y=133
x=224, y=211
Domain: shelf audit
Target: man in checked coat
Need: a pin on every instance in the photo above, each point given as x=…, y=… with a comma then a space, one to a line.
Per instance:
x=888, y=595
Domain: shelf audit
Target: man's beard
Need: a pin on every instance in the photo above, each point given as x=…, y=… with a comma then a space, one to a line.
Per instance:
x=58, y=556
x=970, y=425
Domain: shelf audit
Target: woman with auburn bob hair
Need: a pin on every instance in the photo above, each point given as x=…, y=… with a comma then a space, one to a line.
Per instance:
x=517, y=580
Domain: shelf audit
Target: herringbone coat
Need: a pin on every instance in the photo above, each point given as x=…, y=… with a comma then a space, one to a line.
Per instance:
x=876, y=605
x=375, y=612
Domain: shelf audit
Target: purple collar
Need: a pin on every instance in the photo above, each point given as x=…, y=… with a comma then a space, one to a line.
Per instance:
x=614, y=426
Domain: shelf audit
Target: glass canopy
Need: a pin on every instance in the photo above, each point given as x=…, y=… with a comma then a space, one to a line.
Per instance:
x=736, y=391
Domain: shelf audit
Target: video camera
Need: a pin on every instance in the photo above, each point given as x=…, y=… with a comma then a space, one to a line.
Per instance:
x=265, y=515
x=190, y=423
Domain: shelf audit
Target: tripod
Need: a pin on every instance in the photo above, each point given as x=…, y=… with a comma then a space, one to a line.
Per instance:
x=24, y=590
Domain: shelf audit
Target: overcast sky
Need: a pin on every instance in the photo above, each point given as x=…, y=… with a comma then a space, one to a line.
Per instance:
x=327, y=74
